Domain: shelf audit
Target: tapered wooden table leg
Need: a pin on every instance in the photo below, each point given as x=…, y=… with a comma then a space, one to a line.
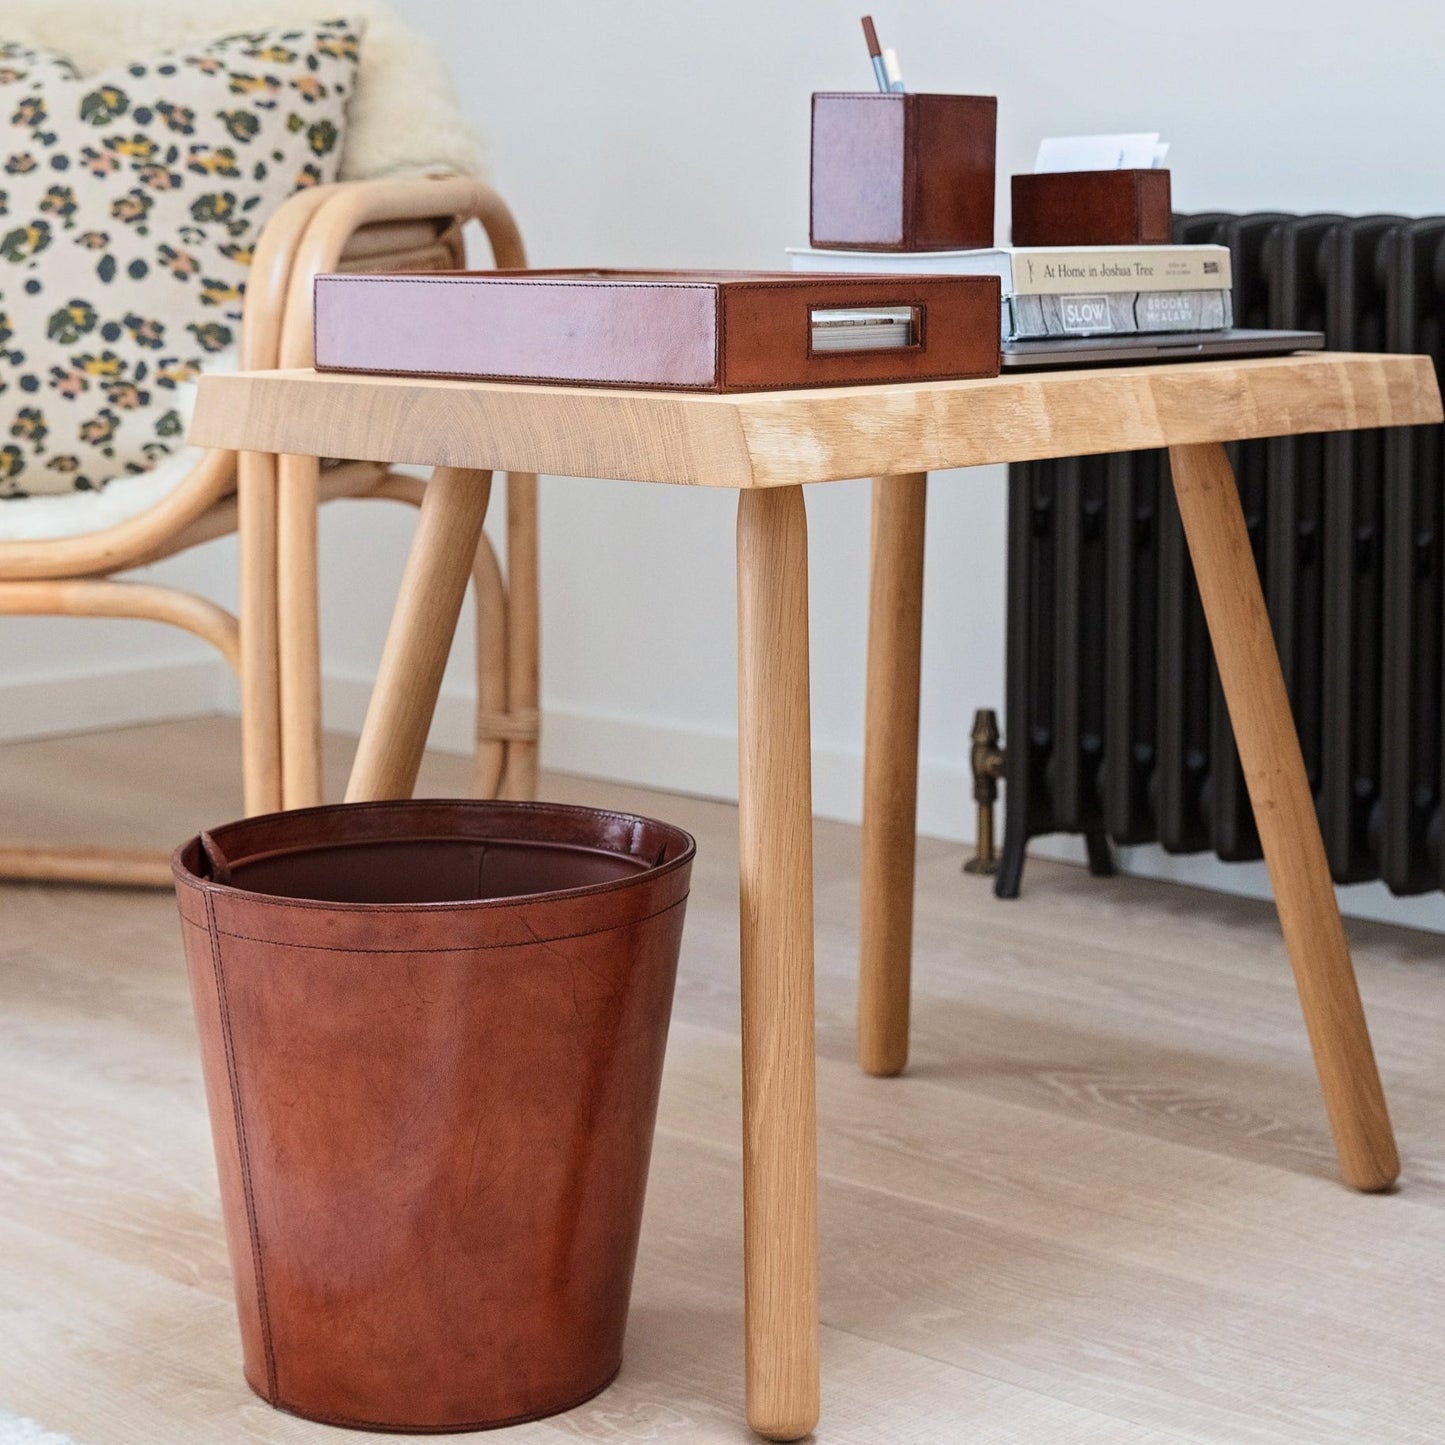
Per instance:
x=519, y=779
x=260, y=678
x=298, y=503
x=890, y=771
x=420, y=636
x=1284, y=812
x=780, y=1183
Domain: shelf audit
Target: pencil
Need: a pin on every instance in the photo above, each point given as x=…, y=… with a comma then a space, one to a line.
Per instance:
x=875, y=52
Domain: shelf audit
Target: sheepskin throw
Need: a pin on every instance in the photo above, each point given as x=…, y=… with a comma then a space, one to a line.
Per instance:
x=404, y=117
x=130, y=202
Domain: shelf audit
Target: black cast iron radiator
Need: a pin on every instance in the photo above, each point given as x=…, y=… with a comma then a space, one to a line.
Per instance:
x=1115, y=722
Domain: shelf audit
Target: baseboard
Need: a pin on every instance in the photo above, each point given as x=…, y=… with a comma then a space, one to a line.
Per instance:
x=679, y=757
x=343, y=706
x=675, y=757
x=122, y=697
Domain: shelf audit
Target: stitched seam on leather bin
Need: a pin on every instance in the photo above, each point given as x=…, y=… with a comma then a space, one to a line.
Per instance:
x=462, y=947
x=375, y=910
x=591, y=890
x=526, y=1419
x=381, y=805
x=238, y=1113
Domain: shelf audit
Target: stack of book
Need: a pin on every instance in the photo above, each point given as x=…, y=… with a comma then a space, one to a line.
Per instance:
x=1072, y=290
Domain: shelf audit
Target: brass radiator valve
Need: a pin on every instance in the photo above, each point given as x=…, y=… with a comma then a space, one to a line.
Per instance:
x=988, y=763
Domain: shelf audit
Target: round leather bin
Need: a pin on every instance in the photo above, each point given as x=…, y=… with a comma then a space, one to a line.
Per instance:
x=432, y=1036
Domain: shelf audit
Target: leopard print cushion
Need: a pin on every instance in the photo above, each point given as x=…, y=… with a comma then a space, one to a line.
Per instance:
x=130, y=203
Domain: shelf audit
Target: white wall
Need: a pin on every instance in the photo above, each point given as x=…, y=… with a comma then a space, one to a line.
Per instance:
x=658, y=133
x=65, y=675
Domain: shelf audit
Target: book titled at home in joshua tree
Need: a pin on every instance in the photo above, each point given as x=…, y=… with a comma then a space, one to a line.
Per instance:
x=1045, y=270
x=1072, y=290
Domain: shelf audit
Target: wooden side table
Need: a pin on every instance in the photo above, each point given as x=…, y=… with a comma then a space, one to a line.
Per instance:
x=767, y=446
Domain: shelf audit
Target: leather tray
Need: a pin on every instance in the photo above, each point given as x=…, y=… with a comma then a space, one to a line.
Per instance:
x=674, y=330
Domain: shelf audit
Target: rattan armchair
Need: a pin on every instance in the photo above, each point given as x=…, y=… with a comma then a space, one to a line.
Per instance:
x=401, y=224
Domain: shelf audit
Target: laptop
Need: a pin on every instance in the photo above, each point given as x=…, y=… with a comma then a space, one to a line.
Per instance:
x=1160, y=346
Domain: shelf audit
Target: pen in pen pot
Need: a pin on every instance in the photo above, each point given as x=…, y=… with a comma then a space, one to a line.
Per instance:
x=891, y=70
x=875, y=53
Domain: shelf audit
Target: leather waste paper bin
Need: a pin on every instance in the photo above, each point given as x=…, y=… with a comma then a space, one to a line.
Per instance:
x=432, y=1036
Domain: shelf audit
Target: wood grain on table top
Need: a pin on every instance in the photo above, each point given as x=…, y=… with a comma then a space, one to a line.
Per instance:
x=764, y=439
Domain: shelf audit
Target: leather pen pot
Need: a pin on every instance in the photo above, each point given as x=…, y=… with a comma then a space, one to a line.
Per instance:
x=432, y=1036
x=902, y=172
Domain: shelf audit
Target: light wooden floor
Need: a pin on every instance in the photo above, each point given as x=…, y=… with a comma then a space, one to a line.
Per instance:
x=1100, y=1208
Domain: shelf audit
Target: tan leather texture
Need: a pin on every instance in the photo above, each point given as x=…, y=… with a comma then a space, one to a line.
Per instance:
x=1092, y=208
x=677, y=330
x=902, y=172
x=432, y=1035
x=859, y=172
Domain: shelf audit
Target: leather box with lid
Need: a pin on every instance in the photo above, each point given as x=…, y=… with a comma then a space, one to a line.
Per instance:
x=1092, y=208
x=684, y=330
